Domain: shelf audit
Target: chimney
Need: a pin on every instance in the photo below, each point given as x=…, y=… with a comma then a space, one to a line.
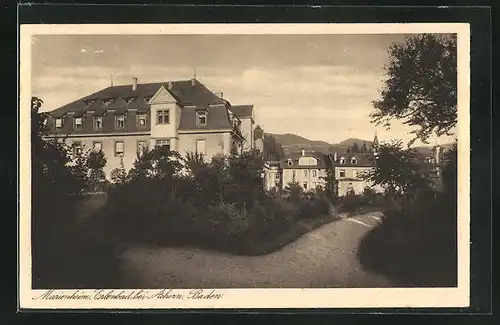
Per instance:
x=193, y=81
x=134, y=83
x=335, y=156
x=303, y=152
x=170, y=85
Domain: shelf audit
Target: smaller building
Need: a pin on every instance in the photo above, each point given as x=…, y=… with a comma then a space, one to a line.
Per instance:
x=350, y=169
x=272, y=175
x=306, y=168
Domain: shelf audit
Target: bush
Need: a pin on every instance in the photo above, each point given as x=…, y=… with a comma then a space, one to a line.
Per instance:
x=416, y=246
x=313, y=207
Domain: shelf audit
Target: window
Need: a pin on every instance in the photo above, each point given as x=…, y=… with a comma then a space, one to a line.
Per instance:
x=89, y=102
x=289, y=162
x=141, y=120
x=119, y=148
x=293, y=174
x=163, y=143
x=354, y=160
x=305, y=173
x=59, y=123
x=305, y=186
x=342, y=173
x=120, y=121
x=201, y=146
x=141, y=148
x=342, y=161
x=97, y=122
x=78, y=122
x=314, y=173
x=163, y=116
x=201, y=118
x=97, y=146
x=355, y=173
x=128, y=100
x=108, y=101
x=77, y=148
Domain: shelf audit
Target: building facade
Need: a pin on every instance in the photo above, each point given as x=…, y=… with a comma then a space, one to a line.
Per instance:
x=350, y=169
x=272, y=175
x=123, y=121
x=307, y=169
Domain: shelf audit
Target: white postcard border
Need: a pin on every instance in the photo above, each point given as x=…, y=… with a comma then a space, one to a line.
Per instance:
x=252, y=298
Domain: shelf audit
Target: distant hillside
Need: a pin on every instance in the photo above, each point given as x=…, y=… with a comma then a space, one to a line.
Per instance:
x=293, y=143
x=290, y=139
x=350, y=142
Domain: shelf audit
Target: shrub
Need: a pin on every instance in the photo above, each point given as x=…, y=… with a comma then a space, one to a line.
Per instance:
x=313, y=207
x=227, y=220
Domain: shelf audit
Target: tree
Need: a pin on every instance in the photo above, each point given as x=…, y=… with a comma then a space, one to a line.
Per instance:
x=364, y=148
x=355, y=148
x=272, y=149
x=258, y=132
x=450, y=172
x=54, y=189
x=396, y=170
x=195, y=162
x=95, y=163
x=157, y=163
x=421, y=86
x=294, y=191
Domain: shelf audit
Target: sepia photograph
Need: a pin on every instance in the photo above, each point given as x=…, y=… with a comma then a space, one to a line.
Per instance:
x=171, y=165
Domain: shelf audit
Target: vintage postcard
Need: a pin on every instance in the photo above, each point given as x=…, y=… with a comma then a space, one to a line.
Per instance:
x=244, y=166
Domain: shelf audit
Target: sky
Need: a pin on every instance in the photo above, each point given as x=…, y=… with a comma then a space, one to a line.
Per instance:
x=316, y=86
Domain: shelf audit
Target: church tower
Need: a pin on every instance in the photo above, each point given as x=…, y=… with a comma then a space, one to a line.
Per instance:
x=375, y=144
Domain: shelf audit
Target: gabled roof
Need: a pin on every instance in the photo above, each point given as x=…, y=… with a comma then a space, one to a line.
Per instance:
x=242, y=111
x=295, y=156
x=363, y=160
x=183, y=91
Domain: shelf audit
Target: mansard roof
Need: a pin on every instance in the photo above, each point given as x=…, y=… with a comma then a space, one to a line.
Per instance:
x=242, y=111
x=121, y=98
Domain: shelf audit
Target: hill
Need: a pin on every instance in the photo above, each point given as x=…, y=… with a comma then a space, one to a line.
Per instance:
x=290, y=139
x=294, y=143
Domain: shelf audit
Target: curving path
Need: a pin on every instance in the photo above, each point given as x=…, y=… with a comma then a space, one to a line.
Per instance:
x=324, y=257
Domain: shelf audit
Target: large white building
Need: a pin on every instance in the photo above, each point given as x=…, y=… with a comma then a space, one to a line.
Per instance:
x=184, y=116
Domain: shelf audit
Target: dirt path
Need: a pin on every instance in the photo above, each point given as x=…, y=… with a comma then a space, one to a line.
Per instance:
x=325, y=257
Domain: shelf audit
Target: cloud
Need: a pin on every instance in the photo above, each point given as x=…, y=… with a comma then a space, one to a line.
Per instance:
x=320, y=102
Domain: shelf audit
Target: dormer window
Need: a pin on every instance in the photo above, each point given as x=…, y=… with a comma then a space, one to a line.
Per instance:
x=128, y=100
x=354, y=160
x=78, y=123
x=120, y=121
x=108, y=101
x=342, y=160
x=147, y=98
x=59, y=123
x=89, y=102
x=289, y=162
x=201, y=118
